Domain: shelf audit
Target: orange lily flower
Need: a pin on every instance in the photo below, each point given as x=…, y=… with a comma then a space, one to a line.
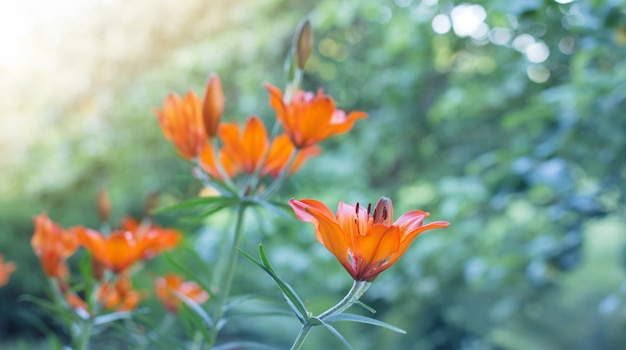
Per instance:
x=119, y=296
x=117, y=252
x=6, y=269
x=181, y=122
x=53, y=245
x=308, y=118
x=168, y=286
x=243, y=151
x=188, y=122
x=154, y=238
x=247, y=148
x=365, y=243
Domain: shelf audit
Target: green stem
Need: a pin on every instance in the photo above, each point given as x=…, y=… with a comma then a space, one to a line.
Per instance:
x=84, y=335
x=357, y=290
x=304, y=332
x=227, y=280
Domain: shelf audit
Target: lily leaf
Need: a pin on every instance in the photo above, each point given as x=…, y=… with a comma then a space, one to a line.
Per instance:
x=290, y=295
x=363, y=319
x=196, y=308
x=332, y=330
x=243, y=345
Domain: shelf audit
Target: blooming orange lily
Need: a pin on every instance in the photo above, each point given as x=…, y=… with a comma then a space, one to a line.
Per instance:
x=153, y=238
x=117, y=252
x=244, y=151
x=365, y=243
x=53, y=245
x=127, y=246
x=189, y=121
x=168, y=286
x=309, y=118
x=6, y=269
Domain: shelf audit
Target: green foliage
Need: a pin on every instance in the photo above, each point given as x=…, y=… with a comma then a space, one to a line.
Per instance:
x=523, y=158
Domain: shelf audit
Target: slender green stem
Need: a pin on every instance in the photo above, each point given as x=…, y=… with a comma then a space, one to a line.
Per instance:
x=304, y=332
x=357, y=290
x=229, y=275
x=84, y=335
x=197, y=341
x=220, y=166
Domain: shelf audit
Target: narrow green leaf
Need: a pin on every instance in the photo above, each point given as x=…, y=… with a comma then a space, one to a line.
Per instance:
x=290, y=295
x=264, y=258
x=334, y=331
x=196, y=308
x=195, y=322
x=277, y=208
x=365, y=306
x=119, y=315
x=363, y=319
x=243, y=345
x=201, y=202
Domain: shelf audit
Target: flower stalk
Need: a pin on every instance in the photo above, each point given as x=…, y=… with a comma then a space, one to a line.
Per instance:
x=353, y=296
x=227, y=279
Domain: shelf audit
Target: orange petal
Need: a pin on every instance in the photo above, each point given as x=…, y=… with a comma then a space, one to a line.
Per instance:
x=255, y=143
x=328, y=231
x=92, y=241
x=121, y=250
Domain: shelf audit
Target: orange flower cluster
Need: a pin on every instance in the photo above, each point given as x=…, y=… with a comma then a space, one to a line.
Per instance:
x=167, y=288
x=133, y=242
x=190, y=122
x=310, y=118
x=6, y=269
x=366, y=243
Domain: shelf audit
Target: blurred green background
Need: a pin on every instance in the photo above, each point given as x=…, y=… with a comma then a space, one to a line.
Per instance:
x=505, y=118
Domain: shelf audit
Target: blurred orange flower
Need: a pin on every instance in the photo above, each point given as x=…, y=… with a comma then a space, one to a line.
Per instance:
x=153, y=238
x=169, y=285
x=53, y=245
x=365, y=243
x=6, y=269
x=309, y=118
x=124, y=247
x=189, y=121
x=120, y=295
x=117, y=252
x=181, y=122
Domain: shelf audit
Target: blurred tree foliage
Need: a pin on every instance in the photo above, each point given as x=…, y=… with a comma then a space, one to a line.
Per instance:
x=513, y=131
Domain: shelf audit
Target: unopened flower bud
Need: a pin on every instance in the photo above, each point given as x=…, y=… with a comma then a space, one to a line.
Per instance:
x=303, y=42
x=213, y=107
x=103, y=203
x=383, y=211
